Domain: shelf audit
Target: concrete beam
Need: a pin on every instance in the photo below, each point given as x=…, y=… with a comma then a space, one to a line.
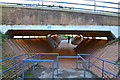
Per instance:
x=23, y=15
x=90, y=31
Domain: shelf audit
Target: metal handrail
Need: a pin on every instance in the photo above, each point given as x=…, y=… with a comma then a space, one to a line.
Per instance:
x=105, y=60
x=14, y=57
x=105, y=2
x=77, y=57
x=100, y=59
x=92, y=9
x=34, y=60
x=29, y=53
x=103, y=70
x=10, y=68
x=94, y=5
x=82, y=4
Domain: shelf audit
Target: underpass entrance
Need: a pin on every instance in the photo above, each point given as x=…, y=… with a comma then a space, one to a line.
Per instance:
x=45, y=43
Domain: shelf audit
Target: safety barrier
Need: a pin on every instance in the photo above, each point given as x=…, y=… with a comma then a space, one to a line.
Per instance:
x=103, y=64
x=15, y=64
x=94, y=5
x=37, y=61
x=26, y=59
x=79, y=56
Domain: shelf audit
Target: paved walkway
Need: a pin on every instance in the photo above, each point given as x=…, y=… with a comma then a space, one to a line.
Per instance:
x=64, y=73
x=65, y=49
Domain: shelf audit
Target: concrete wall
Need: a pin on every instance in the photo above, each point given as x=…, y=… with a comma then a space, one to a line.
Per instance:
x=12, y=15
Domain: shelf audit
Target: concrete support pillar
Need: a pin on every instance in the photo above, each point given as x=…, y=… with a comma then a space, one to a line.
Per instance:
x=82, y=37
x=54, y=43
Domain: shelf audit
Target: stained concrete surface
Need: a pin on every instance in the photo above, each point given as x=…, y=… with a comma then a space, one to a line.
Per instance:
x=42, y=72
x=50, y=16
x=67, y=73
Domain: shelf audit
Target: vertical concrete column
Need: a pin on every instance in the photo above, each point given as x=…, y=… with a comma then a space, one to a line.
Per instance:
x=82, y=37
x=54, y=43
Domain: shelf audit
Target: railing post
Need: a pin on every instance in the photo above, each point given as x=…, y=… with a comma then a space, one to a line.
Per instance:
x=53, y=70
x=39, y=59
x=84, y=70
x=95, y=5
x=57, y=62
x=89, y=62
x=102, y=69
x=77, y=63
x=23, y=69
x=15, y=67
x=42, y=3
x=39, y=56
x=33, y=67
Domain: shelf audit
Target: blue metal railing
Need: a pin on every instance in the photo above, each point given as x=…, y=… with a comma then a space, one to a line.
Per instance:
x=36, y=60
x=76, y=57
x=93, y=4
x=79, y=56
x=103, y=64
x=17, y=64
